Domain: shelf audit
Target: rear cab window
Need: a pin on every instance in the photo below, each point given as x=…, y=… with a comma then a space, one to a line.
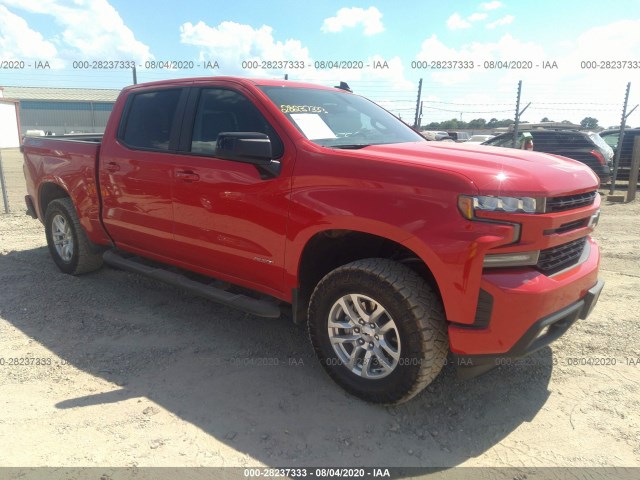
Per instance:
x=149, y=119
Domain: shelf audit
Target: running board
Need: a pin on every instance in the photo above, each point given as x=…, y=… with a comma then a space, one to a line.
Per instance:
x=260, y=308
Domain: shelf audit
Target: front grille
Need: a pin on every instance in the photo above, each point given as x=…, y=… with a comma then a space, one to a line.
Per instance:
x=559, y=204
x=552, y=260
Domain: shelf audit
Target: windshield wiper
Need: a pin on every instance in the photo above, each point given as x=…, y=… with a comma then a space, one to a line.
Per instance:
x=351, y=146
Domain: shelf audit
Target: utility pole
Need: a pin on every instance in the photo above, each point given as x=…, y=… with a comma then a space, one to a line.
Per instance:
x=416, y=123
x=623, y=123
x=519, y=113
x=135, y=76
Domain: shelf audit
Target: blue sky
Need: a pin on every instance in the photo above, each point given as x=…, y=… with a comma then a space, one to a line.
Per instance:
x=566, y=32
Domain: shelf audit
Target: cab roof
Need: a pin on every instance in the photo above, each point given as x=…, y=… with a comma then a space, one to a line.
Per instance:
x=237, y=80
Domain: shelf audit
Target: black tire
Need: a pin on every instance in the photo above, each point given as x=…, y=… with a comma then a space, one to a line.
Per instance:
x=411, y=305
x=79, y=258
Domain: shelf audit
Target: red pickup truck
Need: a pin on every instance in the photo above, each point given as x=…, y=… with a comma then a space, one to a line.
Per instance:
x=399, y=254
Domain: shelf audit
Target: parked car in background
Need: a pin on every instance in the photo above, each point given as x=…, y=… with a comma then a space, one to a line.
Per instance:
x=611, y=138
x=586, y=147
x=460, y=136
x=477, y=139
x=436, y=136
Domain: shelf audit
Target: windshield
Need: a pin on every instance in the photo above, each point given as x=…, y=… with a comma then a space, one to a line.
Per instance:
x=480, y=138
x=339, y=120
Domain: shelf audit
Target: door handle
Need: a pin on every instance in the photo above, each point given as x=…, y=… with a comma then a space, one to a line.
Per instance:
x=113, y=167
x=187, y=176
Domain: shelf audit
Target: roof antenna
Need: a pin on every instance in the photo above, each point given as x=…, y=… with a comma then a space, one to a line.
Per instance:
x=344, y=86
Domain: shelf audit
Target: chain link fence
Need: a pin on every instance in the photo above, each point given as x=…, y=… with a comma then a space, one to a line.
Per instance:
x=13, y=184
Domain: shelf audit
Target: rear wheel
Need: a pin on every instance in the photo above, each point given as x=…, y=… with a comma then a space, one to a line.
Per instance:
x=378, y=330
x=68, y=244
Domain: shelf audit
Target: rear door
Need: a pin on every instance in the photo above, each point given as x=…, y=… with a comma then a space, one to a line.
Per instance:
x=230, y=217
x=135, y=171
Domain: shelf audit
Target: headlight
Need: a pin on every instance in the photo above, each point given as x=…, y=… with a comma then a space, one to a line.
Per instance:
x=469, y=204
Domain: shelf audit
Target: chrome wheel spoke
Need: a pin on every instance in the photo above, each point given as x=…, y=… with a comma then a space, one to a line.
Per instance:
x=390, y=325
x=377, y=313
x=362, y=346
x=355, y=299
x=354, y=357
x=62, y=237
x=382, y=360
x=392, y=352
x=59, y=225
x=342, y=325
x=367, y=364
x=344, y=339
x=351, y=315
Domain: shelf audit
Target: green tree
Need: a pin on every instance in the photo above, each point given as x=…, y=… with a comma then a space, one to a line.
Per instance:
x=477, y=123
x=452, y=124
x=504, y=123
x=589, y=122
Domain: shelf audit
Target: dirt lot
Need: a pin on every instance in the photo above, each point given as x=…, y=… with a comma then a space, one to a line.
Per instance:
x=137, y=373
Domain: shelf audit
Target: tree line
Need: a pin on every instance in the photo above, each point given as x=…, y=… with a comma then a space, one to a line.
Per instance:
x=482, y=124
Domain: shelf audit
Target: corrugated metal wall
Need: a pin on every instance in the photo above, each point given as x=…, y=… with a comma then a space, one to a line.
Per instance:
x=64, y=117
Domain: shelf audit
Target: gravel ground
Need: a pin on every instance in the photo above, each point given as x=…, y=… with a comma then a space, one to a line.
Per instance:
x=125, y=371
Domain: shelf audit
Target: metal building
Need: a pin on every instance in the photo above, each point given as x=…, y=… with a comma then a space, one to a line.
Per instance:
x=63, y=110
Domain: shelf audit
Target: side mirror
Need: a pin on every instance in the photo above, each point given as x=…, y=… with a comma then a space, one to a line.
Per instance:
x=248, y=147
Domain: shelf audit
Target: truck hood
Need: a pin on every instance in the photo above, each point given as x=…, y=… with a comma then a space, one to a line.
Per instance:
x=493, y=170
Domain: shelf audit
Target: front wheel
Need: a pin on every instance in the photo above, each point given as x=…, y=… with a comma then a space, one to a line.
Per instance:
x=68, y=244
x=378, y=329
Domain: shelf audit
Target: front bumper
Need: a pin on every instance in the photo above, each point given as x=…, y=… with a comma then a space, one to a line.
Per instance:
x=525, y=311
x=539, y=335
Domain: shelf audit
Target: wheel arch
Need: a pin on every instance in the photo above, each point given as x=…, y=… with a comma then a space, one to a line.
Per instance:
x=48, y=192
x=329, y=249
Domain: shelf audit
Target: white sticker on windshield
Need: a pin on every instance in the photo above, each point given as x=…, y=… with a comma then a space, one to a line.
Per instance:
x=313, y=126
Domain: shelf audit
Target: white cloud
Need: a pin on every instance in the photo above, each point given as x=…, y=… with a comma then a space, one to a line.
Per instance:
x=597, y=41
x=19, y=42
x=506, y=20
x=491, y=5
x=568, y=92
x=476, y=17
x=231, y=43
x=456, y=22
x=370, y=19
x=91, y=28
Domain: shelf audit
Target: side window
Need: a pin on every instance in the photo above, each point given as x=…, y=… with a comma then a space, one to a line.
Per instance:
x=149, y=119
x=221, y=110
x=506, y=141
x=612, y=140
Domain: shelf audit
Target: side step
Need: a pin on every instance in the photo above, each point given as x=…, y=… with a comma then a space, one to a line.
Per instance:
x=260, y=308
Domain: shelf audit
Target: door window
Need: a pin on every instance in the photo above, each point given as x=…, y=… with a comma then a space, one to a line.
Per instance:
x=221, y=110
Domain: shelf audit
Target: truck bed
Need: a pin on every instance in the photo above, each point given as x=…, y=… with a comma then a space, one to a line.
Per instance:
x=71, y=162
